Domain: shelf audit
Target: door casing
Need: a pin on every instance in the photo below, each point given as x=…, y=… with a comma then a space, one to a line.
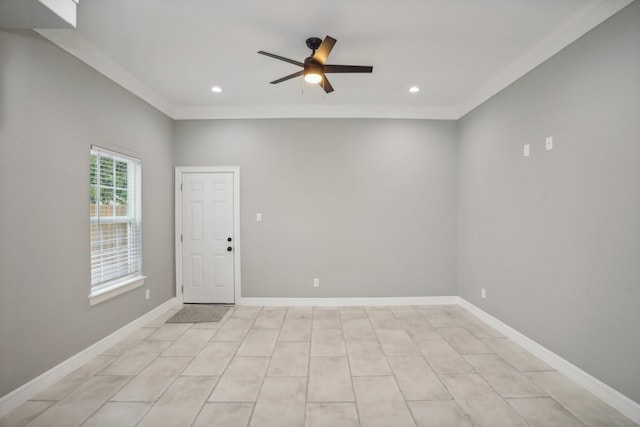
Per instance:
x=180, y=170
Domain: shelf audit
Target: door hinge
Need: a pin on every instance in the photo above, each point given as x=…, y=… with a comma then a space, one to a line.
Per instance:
x=181, y=238
x=180, y=187
x=183, y=289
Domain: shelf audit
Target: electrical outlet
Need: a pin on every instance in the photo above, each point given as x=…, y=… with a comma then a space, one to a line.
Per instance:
x=526, y=151
x=483, y=293
x=316, y=283
x=147, y=294
x=548, y=143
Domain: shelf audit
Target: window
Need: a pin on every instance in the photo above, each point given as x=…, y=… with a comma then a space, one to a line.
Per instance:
x=115, y=223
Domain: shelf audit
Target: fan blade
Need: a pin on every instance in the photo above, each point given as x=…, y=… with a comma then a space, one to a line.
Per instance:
x=348, y=69
x=282, y=58
x=324, y=50
x=290, y=76
x=325, y=84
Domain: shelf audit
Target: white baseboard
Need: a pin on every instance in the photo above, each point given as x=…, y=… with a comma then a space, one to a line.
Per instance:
x=609, y=395
x=342, y=302
x=27, y=391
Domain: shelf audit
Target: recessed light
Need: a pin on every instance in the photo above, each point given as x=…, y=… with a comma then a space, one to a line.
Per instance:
x=414, y=89
x=216, y=89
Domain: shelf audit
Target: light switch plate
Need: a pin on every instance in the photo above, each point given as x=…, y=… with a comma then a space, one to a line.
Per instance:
x=525, y=150
x=549, y=143
x=259, y=217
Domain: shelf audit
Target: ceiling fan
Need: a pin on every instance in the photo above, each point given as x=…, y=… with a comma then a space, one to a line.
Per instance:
x=314, y=67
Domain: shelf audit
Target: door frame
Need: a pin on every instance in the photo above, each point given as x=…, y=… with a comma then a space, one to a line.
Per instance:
x=180, y=171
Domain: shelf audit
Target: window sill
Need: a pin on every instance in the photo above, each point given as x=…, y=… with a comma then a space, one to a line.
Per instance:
x=117, y=289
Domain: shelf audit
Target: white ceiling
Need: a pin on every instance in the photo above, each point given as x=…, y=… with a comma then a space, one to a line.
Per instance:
x=459, y=52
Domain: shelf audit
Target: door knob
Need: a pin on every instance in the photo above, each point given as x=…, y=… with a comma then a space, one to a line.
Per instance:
x=228, y=239
x=229, y=248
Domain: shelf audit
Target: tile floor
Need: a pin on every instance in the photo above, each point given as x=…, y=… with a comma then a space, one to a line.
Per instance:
x=314, y=367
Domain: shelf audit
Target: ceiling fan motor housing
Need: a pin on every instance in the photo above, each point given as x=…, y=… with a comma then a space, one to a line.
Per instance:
x=313, y=43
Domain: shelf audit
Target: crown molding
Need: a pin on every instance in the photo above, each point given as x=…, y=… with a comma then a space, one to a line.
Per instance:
x=581, y=23
x=314, y=112
x=576, y=27
x=73, y=43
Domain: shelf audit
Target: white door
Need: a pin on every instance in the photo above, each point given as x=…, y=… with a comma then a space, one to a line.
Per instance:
x=207, y=237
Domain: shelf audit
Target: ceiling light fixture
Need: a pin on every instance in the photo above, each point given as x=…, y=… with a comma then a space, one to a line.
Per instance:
x=312, y=71
x=312, y=77
x=216, y=89
x=414, y=89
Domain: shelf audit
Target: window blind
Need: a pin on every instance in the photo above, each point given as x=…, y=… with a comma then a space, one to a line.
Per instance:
x=115, y=214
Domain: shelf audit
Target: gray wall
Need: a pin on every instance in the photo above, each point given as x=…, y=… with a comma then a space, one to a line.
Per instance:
x=52, y=108
x=367, y=206
x=554, y=238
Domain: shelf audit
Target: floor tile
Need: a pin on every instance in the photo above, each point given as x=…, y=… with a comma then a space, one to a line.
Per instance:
x=241, y=381
x=443, y=358
x=180, y=404
x=463, y=341
x=444, y=413
x=190, y=343
x=119, y=414
x=281, y=402
x=382, y=318
x=325, y=318
x=330, y=380
x=419, y=329
x=428, y=365
x=289, y=359
x=453, y=310
x=149, y=384
x=352, y=313
x=366, y=358
x=295, y=330
x=24, y=413
x=259, y=342
x=405, y=311
x=161, y=319
x=396, y=342
x=380, y=403
x=169, y=331
x=299, y=313
x=503, y=377
x=360, y=334
x=416, y=379
x=224, y=415
x=270, y=318
x=544, y=412
x=581, y=403
x=327, y=343
x=246, y=312
x=332, y=415
x=213, y=359
x=207, y=325
x=132, y=339
x=70, y=382
x=477, y=327
x=234, y=329
x=438, y=318
x=355, y=324
x=77, y=406
x=136, y=359
x=477, y=399
x=515, y=355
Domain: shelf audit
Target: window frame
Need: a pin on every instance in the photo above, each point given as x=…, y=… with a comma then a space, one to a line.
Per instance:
x=133, y=278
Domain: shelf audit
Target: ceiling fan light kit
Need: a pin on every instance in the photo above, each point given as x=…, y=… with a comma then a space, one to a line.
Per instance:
x=314, y=68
